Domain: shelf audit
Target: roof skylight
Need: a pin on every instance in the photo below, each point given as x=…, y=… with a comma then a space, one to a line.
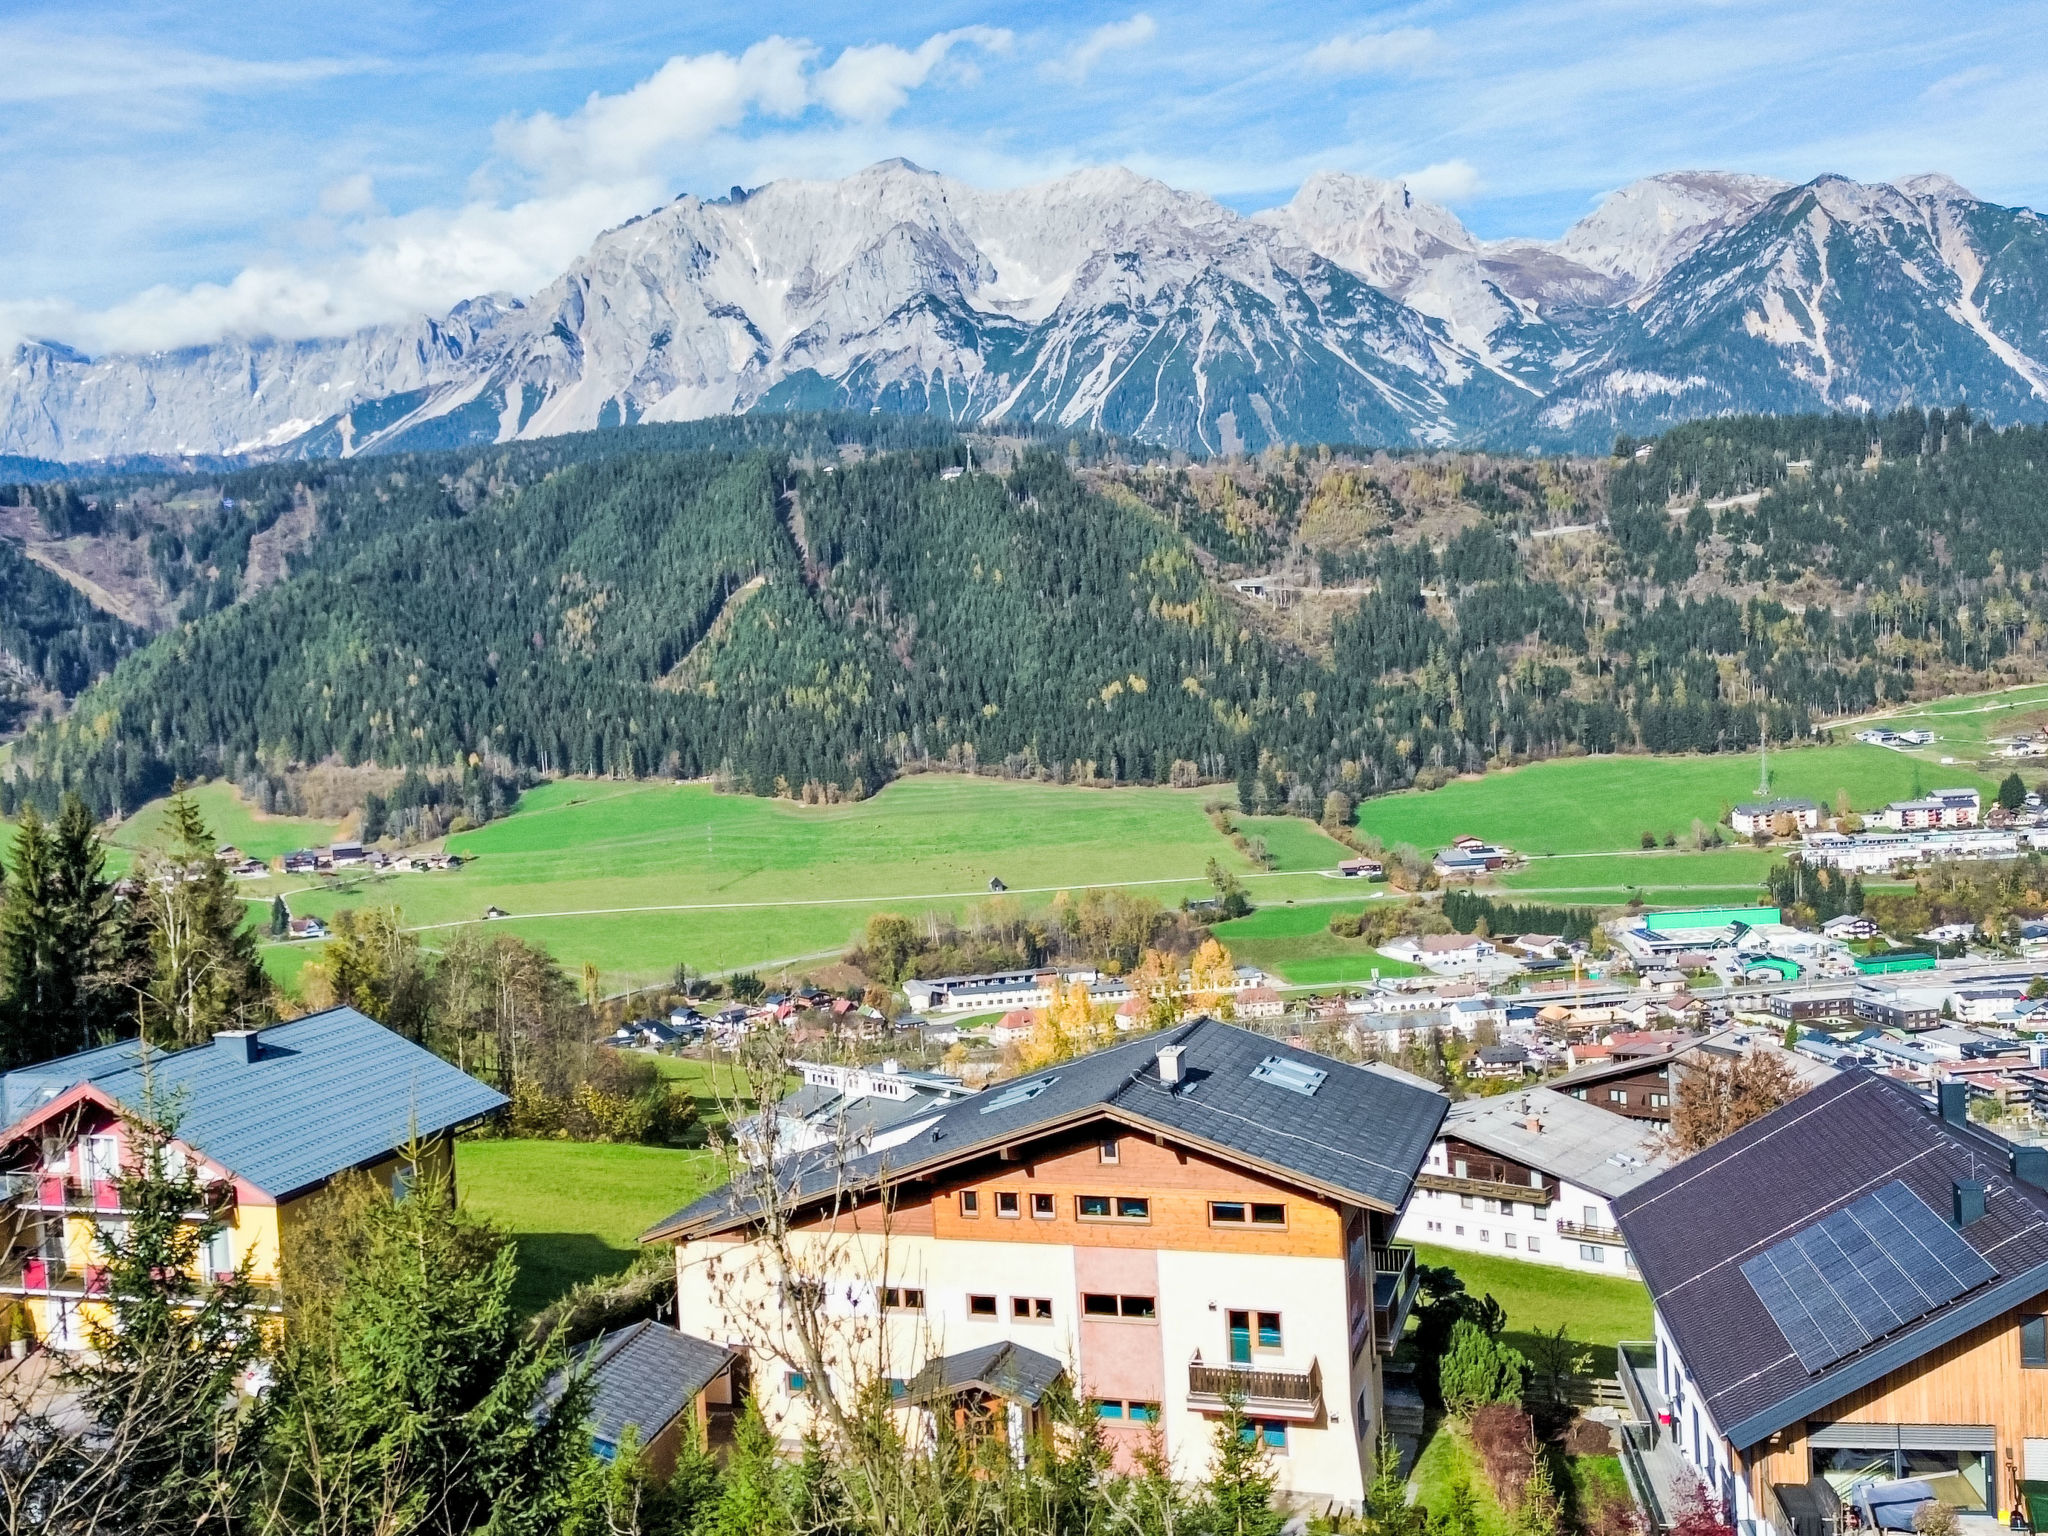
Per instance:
x=1018, y=1093
x=1294, y=1076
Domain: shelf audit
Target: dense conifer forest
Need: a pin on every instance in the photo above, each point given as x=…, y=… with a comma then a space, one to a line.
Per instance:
x=811, y=606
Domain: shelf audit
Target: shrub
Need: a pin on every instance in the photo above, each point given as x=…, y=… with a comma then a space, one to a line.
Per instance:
x=1937, y=1519
x=1478, y=1369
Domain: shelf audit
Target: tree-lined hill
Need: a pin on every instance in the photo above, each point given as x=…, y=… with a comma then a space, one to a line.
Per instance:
x=789, y=617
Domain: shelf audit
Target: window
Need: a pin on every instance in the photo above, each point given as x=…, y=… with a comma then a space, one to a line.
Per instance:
x=1031, y=1309
x=1144, y=1413
x=1617, y=1095
x=902, y=1298
x=1110, y=1409
x=1041, y=1207
x=1100, y=1304
x=1485, y=1235
x=897, y=1386
x=1107, y=1150
x=970, y=1203
x=1464, y=1202
x=1508, y=1238
x=981, y=1306
x=1269, y=1330
x=795, y=1381
x=1273, y=1432
x=1460, y=1231
x=1112, y=1208
x=1660, y=1101
x=1269, y=1215
x=1007, y=1203
x=1535, y=1245
x=1018, y=1093
x=1507, y=1207
x=1127, y=1412
x=1592, y=1215
x=1227, y=1212
x=2034, y=1341
x=219, y=1258
x=1592, y=1253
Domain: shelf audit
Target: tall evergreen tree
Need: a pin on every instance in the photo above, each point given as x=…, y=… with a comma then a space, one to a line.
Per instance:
x=1238, y=1496
x=168, y=1443
x=412, y=1410
x=27, y=982
x=203, y=971
x=100, y=950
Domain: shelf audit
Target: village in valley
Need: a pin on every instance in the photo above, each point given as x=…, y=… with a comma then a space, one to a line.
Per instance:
x=1732, y=1211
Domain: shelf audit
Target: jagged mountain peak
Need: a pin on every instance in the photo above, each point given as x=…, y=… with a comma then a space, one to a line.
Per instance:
x=1356, y=310
x=1642, y=230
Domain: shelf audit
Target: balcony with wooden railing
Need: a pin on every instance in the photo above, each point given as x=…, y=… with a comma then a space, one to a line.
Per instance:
x=1263, y=1393
x=1485, y=1189
x=1586, y=1232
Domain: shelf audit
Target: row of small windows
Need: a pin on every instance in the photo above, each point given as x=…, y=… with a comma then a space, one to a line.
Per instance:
x=1026, y=1309
x=1038, y=1309
x=1009, y=1206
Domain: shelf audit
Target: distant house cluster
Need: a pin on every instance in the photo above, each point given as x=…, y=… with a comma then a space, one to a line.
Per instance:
x=349, y=855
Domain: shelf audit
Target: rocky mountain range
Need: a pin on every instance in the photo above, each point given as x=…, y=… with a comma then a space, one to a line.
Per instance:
x=1356, y=312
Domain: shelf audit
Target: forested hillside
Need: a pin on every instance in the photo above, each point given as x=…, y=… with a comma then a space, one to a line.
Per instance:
x=764, y=607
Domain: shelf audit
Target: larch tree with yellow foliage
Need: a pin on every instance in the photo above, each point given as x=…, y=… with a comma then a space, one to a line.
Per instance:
x=1157, y=982
x=1071, y=1025
x=1212, y=977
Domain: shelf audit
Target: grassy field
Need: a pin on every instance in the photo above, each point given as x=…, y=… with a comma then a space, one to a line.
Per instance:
x=1597, y=1311
x=1596, y=804
x=230, y=820
x=1294, y=844
x=577, y=1210
x=1964, y=725
x=637, y=877
x=1295, y=942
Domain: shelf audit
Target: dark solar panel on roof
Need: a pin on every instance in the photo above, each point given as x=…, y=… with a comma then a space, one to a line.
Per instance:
x=1861, y=1273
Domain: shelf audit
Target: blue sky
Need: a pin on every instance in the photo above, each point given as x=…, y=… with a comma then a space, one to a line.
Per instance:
x=173, y=171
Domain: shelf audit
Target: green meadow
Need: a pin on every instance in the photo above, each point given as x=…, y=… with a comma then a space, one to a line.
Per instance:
x=1593, y=804
x=638, y=877
x=1294, y=941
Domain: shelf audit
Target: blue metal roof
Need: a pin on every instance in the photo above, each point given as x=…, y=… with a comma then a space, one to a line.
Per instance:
x=289, y=1110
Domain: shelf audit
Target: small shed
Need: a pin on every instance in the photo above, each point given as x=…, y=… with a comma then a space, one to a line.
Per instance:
x=657, y=1380
x=995, y=1383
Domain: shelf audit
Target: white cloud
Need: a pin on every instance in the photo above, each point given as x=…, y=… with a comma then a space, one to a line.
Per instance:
x=1448, y=181
x=1373, y=53
x=870, y=83
x=40, y=64
x=681, y=104
x=571, y=175
x=1079, y=60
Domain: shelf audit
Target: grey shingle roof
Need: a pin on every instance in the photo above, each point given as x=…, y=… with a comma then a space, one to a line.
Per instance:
x=644, y=1374
x=1692, y=1228
x=1007, y=1370
x=323, y=1093
x=1362, y=1133
x=1596, y=1150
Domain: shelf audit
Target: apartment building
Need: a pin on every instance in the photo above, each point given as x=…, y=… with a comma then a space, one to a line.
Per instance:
x=266, y=1117
x=1530, y=1176
x=1162, y=1224
x=1851, y=1311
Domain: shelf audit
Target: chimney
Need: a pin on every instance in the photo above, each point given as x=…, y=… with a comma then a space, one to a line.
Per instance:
x=1969, y=1201
x=1533, y=1126
x=1169, y=1064
x=2030, y=1166
x=239, y=1043
x=891, y=1066
x=1955, y=1102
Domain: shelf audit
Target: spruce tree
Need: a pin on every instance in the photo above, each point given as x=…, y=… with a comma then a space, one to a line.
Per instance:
x=27, y=984
x=1238, y=1496
x=413, y=1408
x=99, y=947
x=204, y=974
x=755, y=1498
x=170, y=1443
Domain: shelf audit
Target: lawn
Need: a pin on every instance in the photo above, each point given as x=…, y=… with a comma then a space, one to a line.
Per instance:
x=1295, y=942
x=1294, y=844
x=1595, y=1310
x=231, y=820
x=1965, y=724
x=576, y=1209
x=637, y=877
x=1591, y=804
